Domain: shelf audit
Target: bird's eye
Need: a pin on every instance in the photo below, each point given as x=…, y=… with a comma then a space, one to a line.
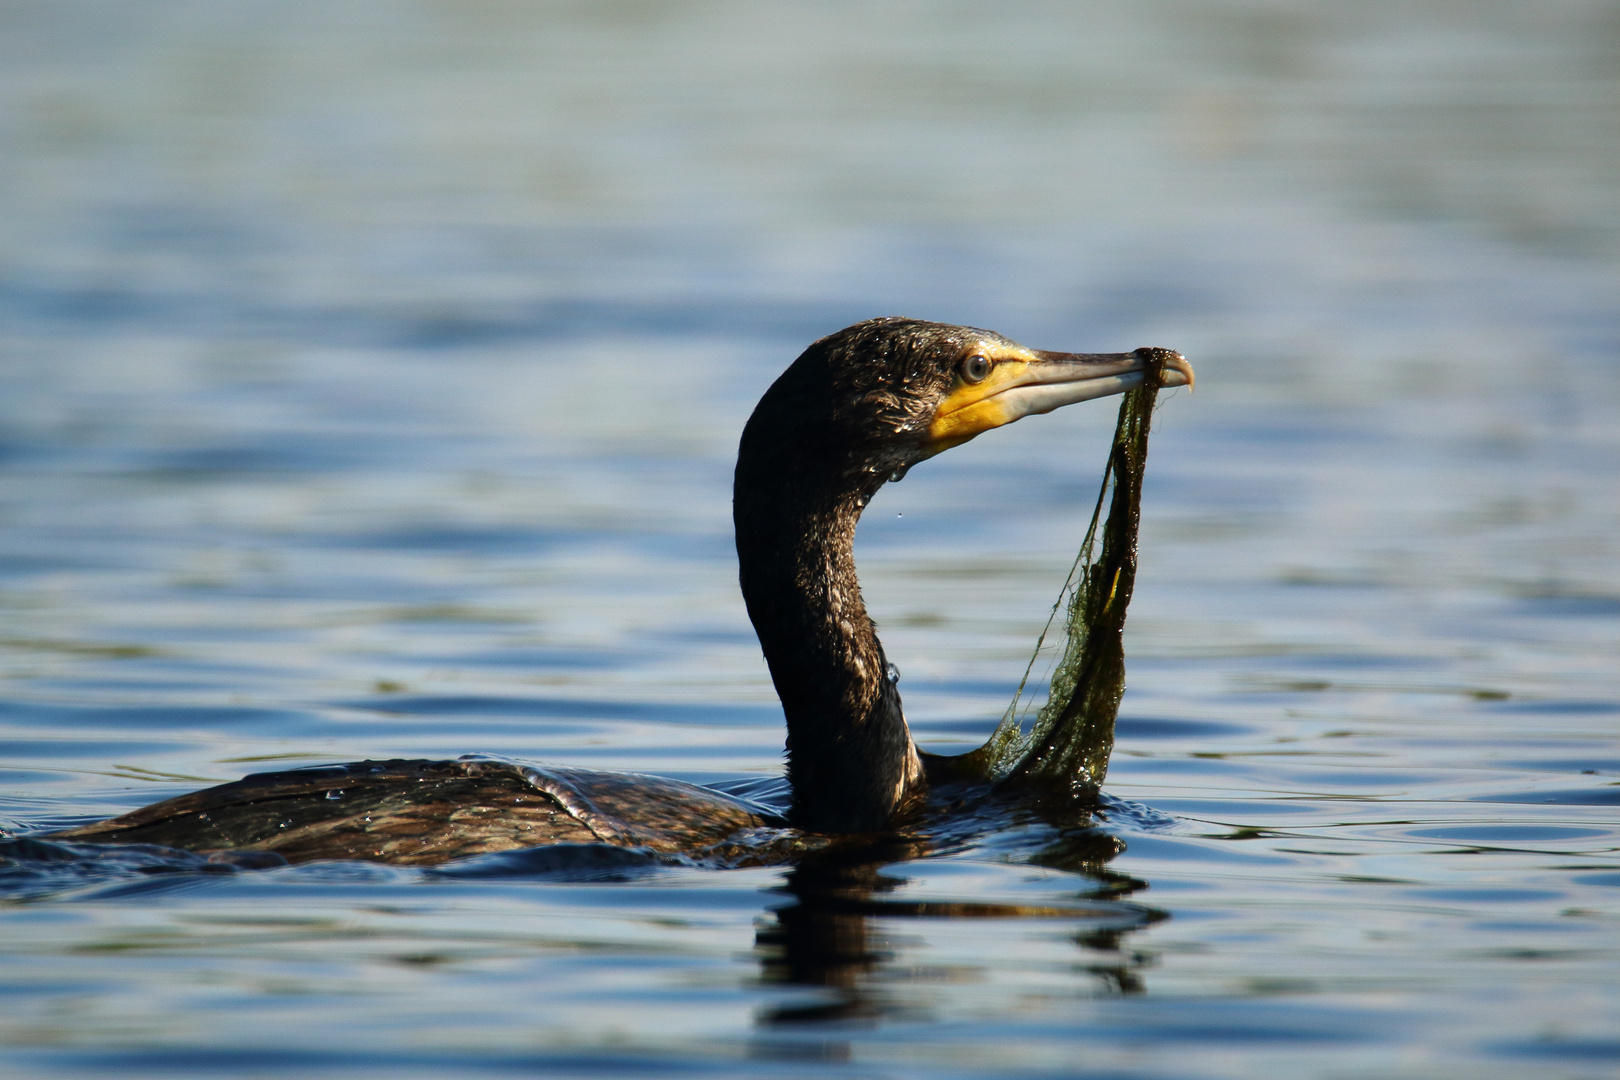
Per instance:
x=975, y=368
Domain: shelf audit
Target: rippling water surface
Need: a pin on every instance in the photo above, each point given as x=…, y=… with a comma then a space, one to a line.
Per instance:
x=370, y=381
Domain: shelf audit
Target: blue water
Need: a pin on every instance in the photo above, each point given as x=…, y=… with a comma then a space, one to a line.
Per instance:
x=370, y=376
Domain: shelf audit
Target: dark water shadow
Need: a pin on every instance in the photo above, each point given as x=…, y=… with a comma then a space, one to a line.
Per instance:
x=835, y=935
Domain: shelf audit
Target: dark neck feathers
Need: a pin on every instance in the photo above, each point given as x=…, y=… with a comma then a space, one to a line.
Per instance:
x=796, y=503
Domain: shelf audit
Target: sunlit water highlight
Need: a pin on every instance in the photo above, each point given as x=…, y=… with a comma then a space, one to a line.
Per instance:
x=371, y=379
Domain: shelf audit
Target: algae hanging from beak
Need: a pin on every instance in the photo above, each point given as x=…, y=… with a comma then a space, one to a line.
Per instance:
x=1069, y=744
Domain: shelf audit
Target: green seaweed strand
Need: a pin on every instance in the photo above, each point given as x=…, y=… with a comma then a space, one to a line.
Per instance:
x=1073, y=735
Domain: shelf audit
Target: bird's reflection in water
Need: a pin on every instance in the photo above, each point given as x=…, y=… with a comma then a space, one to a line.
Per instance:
x=829, y=937
x=825, y=937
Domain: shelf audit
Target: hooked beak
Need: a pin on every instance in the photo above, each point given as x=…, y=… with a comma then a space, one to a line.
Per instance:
x=1024, y=381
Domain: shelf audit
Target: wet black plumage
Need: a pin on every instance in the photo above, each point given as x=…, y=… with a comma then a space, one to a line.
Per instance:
x=856, y=409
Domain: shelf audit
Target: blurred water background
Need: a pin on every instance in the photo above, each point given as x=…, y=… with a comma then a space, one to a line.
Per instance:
x=370, y=376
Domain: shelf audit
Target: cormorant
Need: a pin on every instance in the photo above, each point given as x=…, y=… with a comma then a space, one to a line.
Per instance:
x=856, y=410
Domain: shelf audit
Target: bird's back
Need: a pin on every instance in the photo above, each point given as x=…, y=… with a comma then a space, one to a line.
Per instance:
x=421, y=812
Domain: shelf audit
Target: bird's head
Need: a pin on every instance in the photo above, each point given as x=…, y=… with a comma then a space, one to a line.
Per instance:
x=884, y=394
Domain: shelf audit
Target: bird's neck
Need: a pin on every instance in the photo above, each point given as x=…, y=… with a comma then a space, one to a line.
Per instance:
x=851, y=761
